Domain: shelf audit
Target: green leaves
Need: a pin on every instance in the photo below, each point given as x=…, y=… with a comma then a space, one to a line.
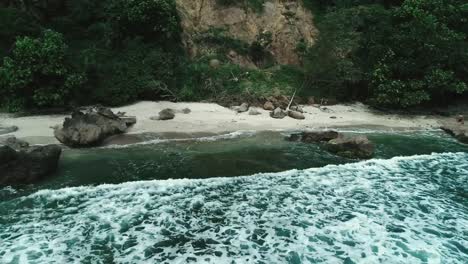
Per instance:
x=36, y=74
x=405, y=56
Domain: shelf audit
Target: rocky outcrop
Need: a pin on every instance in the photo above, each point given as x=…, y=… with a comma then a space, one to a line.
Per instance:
x=359, y=147
x=351, y=147
x=287, y=21
x=21, y=164
x=457, y=130
x=86, y=129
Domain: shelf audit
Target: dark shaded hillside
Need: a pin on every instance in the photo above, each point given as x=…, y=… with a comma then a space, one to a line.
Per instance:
x=396, y=54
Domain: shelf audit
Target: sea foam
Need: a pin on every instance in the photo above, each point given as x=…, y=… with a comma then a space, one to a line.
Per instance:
x=401, y=210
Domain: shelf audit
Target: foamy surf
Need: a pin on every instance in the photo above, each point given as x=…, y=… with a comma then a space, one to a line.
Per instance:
x=401, y=210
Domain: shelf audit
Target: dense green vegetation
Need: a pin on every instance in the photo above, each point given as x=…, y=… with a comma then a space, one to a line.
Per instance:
x=395, y=54
x=390, y=53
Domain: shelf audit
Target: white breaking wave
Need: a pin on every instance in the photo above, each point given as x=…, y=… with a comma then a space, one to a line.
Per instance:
x=401, y=210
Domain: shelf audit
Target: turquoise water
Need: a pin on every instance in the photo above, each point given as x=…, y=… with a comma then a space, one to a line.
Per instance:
x=182, y=202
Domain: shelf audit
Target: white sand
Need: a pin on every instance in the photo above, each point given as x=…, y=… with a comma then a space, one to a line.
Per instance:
x=212, y=118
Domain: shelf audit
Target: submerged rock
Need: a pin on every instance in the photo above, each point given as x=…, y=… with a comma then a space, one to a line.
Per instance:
x=296, y=115
x=351, y=147
x=458, y=131
x=26, y=164
x=91, y=128
x=314, y=136
x=278, y=113
x=359, y=147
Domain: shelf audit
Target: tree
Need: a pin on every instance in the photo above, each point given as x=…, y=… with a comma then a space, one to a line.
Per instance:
x=37, y=74
x=426, y=57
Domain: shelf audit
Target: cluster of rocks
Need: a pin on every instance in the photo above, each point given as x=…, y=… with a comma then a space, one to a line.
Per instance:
x=168, y=114
x=358, y=147
x=90, y=127
x=278, y=107
x=245, y=107
x=24, y=164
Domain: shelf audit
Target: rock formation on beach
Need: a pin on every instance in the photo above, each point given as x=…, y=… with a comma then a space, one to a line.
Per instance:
x=90, y=128
x=22, y=164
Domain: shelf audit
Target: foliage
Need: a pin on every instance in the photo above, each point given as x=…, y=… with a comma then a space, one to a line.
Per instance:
x=230, y=80
x=36, y=74
x=399, y=57
x=14, y=23
x=221, y=41
x=256, y=5
x=154, y=20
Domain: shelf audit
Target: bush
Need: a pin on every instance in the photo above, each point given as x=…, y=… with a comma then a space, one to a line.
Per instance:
x=37, y=74
x=395, y=57
x=154, y=20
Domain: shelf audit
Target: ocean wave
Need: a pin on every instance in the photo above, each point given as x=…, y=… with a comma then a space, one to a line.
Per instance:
x=401, y=210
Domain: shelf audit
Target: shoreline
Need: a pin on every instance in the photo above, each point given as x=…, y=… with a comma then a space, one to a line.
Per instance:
x=212, y=119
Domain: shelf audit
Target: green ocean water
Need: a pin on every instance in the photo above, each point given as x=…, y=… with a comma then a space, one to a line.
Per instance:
x=245, y=198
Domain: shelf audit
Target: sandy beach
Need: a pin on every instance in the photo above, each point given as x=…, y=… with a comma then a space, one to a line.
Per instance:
x=215, y=119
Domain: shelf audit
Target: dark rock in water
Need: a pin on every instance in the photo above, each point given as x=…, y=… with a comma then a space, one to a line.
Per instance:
x=278, y=113
x=27, y=165
x=186, y=111
x=458, y=131
x=296, y=115
x=7, y=130
x=91, y=128
x=165, y=114
x=359, y=147
x=318, y=136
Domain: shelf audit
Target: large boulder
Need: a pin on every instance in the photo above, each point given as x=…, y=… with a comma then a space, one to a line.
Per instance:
x=268, y=106
x=27, y=164
x=458, y=131
x=296, y=115
x=85, y=129
x=359, y=147
x=165, y=114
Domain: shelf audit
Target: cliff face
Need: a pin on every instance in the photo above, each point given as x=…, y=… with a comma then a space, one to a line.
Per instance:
x=288, y=23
